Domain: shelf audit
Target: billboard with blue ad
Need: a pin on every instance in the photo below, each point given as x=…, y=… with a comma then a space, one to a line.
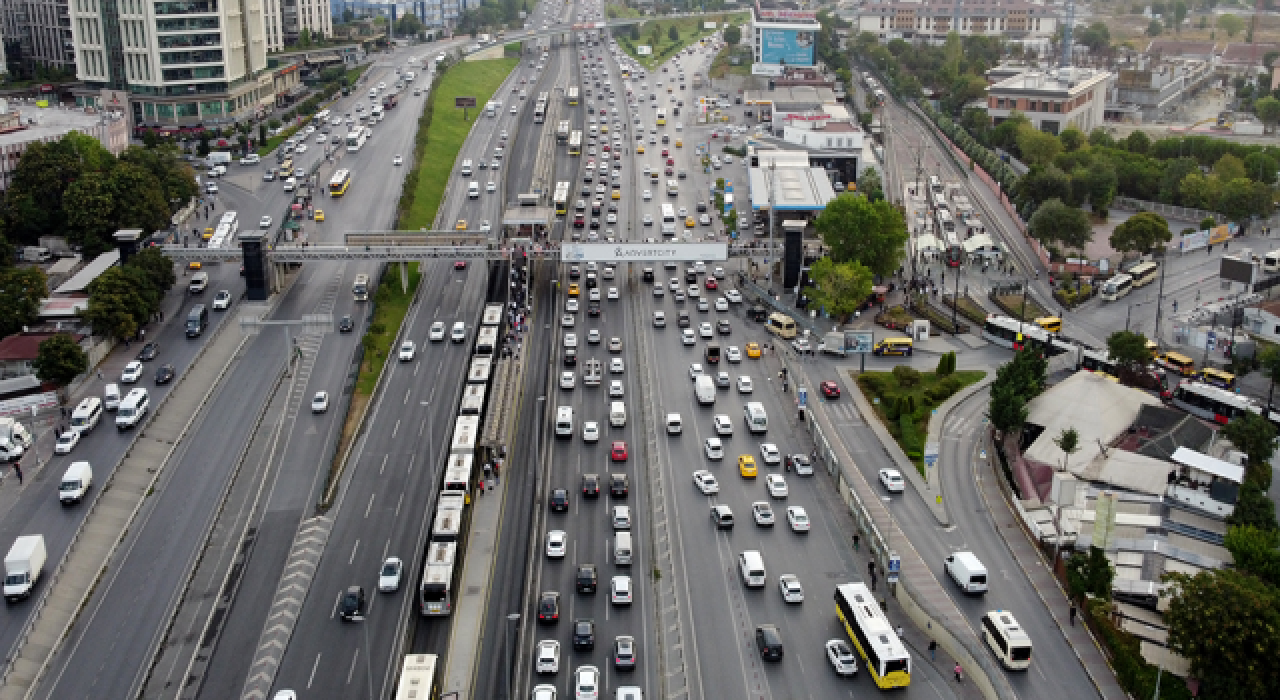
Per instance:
x=790, y=46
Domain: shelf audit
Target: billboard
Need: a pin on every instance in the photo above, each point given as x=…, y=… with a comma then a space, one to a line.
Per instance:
x=793, y=47
x=710, y=25
x=459, y=102
x=643, y=252
x=644, y=50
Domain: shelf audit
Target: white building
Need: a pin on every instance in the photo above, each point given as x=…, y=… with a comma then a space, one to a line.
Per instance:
x=285, y=20
x=932, y=20
x=1053, y=100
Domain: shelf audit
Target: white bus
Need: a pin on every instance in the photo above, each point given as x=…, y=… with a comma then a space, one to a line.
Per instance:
x=562, y=130
x=575, y=143
x=232, y=220
x=1144, y=273
x=435, y=593
x=668, y=213
x=561, y=198
x=356, y=139
x=1116, y=287
x=1007, y=639
x=1213, y=404
x=417, y=678
x=883, y=654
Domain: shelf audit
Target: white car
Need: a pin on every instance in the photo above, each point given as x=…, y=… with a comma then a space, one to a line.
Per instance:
x=706, y=482
x=724, y=426
x=590, y=431
x=567, y=380
x=840, y=654
x=407, y=351
x=586, y=683
x=548, y=661
x=613, y=294
x=302, y=148
x=789, y=586
x=620, y=590
x=389, y=576
x=557, y=543
x=513, y=110
x=694, y=291
x=132, y=372
x=705, y=330
x=321, y=138
x=744, y=385
x=485, y=226
x=770, y=454
x=593, y=295
x=687, y=337
x=892, y=480
x=571, y=340
x=222, y=300
x=567, y=321
x=571, y=306
x=66, y=442
x=616, y=366
x=695, y=370
x=733, y=354
x=733, y=295
x=615, y=389
x=593, y=336
x=777, y=485
x=763, y=513
x=436, y=334
x=320, y=403
x=491, y=187
x=264, y=222
x=397, y=160
x=714, y=448
x=798, y=518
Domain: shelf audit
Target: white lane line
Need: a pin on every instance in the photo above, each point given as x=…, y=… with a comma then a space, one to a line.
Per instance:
x=369, y=508
x=395, y=430
x=352, y=670
x=384, y=464
x=311, y=679
x=354, y=549
x=406, y=395
x=399, y=503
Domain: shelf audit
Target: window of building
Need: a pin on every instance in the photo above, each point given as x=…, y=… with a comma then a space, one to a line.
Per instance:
x=1057, y=107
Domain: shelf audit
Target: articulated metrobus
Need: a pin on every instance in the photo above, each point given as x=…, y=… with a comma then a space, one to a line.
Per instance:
x=417, y=678
x=360, y=289
x=883, y=654
x=562, y=198
x=575, y=143
x=573, y=96
x=339, y=182
x=356, y=139
x=662, y=117
x=562, y=130
x=437, y=588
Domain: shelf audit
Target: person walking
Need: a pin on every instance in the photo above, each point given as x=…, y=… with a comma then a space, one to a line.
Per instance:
x=1072, y=614
x=900, y=632
x=17, y=470
x=855, y=543
x=959, y=673
x=933, y=649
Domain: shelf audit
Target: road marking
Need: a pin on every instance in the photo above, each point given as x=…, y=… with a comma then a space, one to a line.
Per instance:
x=416, y=366
x=336, y=601
x=395, y=430
x=384, y=464
x=369, y=507
x=354, y=549
x=311, y=679
x=399, y=503
x=386, y=548
x=406, y=394
x=352, y=671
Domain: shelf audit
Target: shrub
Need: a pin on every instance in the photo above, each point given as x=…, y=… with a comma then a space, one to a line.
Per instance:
x=907, y=376
x=873, y=383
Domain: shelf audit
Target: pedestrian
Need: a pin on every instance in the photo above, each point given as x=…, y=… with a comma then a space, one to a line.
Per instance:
x=871, y=567
x=933, y=649
x=959, y=673
x=873, y=582
x=1072, y=613
x=17, y=469
x=855, y=542
x=99, y=375
x=900, y=632
x=1175, y=306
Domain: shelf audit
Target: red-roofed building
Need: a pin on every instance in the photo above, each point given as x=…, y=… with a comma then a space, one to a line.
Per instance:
x=18, y=352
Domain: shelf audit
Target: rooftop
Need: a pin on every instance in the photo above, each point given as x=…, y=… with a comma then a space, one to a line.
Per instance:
x=49, y=123
x=1242, y=54
x=793, y=98
x=80, y=282
x=1058, y=81
x=25, y=346
x=1177, y=47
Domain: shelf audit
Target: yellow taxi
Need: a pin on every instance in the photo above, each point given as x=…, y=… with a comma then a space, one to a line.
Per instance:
x=462, y=225
x=604, y=128
x=753, y=349
x=617, y=194
x=573, y=289
x=194, y=265
x=747, y=466
x=689, y=222
x=640, y=150
x=319, y=215
x=679, y=143
x=208, y=233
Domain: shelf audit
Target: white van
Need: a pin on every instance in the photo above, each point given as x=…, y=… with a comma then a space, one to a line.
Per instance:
x=704, y=388
x=473, y=190
x=199, y=282
x=1007, y=639
x=466, y=168
x=564, y=422
x=968, y=573
x=757, y=420
x=622, y=548
x=75, y=483
x=751, y=565
x=459, y=332
x=674, y=425
x=617, y=414
x=132, y=409
x=86, y=415
x=111, y=397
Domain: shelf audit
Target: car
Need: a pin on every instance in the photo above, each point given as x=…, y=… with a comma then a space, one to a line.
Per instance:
x=132, y=372
x=320, y=402
x=713, y=448
x=397, y=160
x=568, y=380
x=702, y=306
x=744, y=385
x=733, y=354
x=485, y=226
x=620, y=590
x=615, y=389
x=269, y=176
x=615, y=344
x=557, y=543
x=567, y=321
x=723, y=327
x=222, y=300
x=621, y=518
x=407, y=351
x=723, y=425
x=802, y=345
x=694, y=292
x=66, y=442
x=460, y=264
x=789, y=586
x=747, y=466
x=590, y=431
x=840, y=654
x=389, y=576
x=647, y=195
x=616, y=365
x=591, y=485
x=547, y=661
x=491, y=187
x=549, y=607
x=264, y=222
x=612, y=295
x=571, y=340
x=165, y=374
x=618, y=451
x=776, y=485
x=704, y=329
x=149, y=351
x=658, y=291
x=800, y=464
x=711, y=283
x=559, y=500
x=892, y=480
x=571, y=306
x=695, y=370
x=770, y=454
x=586, y=683
x=798, y=518
x=734, y=296
x=762, y=512
x=687, y=337
x=624, y=653
x=722, y=516
x=436, y=334
x=352, y=605
x=593, y=336
x=593, y=295
x=461, y=225
x=753, y=350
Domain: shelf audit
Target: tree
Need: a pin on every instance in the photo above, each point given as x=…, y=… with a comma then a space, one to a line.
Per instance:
x=1254, y=508
x=1099, y=183
x=91, y=212
x=733, y=35
x=840, y=288
x=1171, y=179
x=119, y=302
x=635, y=32
x=869, y=184
x=1039, y=185
x=1129, y=351
x=1224, y=622
x=1155, y=28
x=1137, y=142
x=1261, y=166
x=1179, y=14
x=304, y=38
x=857, y=229
x=1255, y=436
x=1069, y=442
x=21, y=289
x=1090, y=575
x=1005, y=134
x=1055, y=222
x=1255, y=551
x=673, y=33
x=157, y=267
x=1007, y=411
x=1228, y=167
x=1072, y=139
x=1037, y=147
x=1231, y=24
x=60, y=360
x=1096, y=36
x=1142, y=232
x=1099, y=138
x=1268, y=110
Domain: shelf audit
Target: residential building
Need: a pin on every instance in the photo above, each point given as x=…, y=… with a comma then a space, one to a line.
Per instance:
x=932, y=20
x=1240, y=58
x=782, y=35
x=1053, y=100
x=181, y=63
x=22, y=124
x=285, y=20
x=41, y=33
x=1146, y=88
x=1178, y=48
x=19, y=351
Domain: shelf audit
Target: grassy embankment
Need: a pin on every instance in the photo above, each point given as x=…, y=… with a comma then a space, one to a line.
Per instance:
x=689, y=30
x=904, y=399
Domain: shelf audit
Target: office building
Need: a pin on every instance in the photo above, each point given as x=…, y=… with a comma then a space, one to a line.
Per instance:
x=1053, y=100
x=285, y=20
x=40, y=32
x=782, y=35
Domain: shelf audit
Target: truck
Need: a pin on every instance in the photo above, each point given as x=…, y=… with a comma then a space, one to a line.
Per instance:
x=219, y=158
x=591, y=373
x=482, y=39
x=22, y=567
x=833, y=344
x=14, y=439
x=491, y=108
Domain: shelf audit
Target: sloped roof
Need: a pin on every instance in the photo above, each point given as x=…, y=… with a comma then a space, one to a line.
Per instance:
x=25, y=346
x=1098, y=409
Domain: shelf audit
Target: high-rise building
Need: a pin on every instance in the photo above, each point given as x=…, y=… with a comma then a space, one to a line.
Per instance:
x=181, y=62
x=40, y=32
x=287, y=19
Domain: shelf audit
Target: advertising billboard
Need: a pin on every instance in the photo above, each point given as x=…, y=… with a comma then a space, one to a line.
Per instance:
x=790, y=46
x=648, y=252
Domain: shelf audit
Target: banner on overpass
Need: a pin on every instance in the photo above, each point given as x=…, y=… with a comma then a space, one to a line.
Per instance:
x=643, y=252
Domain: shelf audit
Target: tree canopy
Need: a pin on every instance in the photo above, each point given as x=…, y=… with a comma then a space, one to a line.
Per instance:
x=859, y=230
x=1224, y=622
x=1129, y=351
x=840, y=288
x=1055, y=222
x=21, y=289
x=60, y=360
x=1141, y=233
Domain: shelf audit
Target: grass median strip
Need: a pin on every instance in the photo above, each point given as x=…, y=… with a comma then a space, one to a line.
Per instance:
x=905, y=399
x=656, y=33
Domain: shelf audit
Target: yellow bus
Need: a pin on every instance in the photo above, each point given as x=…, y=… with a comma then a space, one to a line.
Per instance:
x=573, y=97
x=339, y=183
x=1177, y=362
x=1144, y=273
x=1218, y=378
x=883, y=654
x=562, y=198
x=662, y=117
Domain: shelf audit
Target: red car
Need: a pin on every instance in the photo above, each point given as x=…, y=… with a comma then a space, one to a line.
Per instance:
x=605, y=148
x=665, y=153
x=618, y=452
x=460, y=265
x=711, y=283
x=830, y=389
x=671, y=161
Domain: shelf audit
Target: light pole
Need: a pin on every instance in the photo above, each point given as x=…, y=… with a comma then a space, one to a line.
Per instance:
x=773, y=172
x=512, y=617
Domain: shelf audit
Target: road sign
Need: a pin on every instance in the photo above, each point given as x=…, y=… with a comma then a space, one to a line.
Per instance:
x=460, y=102
x=859, y=342
x=931, y=450
x=803, y=395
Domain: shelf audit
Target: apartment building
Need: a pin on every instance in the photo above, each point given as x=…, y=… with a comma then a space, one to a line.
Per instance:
x=41, y=33
x=285, y=20
x=932, y=20
x=1053, y=100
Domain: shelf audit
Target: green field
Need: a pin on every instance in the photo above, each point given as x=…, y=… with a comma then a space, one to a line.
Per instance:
x=689, y=28
x=446, y=131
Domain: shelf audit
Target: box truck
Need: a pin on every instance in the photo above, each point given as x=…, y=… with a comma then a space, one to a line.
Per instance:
x=22, y=566
x=833, y=344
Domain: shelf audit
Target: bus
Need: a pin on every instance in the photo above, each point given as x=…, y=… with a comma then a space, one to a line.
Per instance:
x=339, y=183
x=668, y=213
x=232, y=220
x=360, y=289
x=662, y=117
x=883, y=654
x=575, y=143
x=1015, y=335
x=573, y=97
x=935, y=184
x=1213, y=404
x=1144, y=273
x=1116, y=287
x=540, y=108
x=561, y=198
x=562, y=130
x=436, y=592
x=417, y=677
x=356, y=139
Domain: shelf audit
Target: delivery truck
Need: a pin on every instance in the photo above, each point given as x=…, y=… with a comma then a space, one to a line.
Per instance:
x=22, y=567
x=833, y=344
x=14, y=439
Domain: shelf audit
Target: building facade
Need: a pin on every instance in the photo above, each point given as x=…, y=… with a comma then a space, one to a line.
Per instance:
x=781, y=37
x=285, y=20
x=40, y=32
x=932, y=20
x=25, y=124
x=181, y=63
x=1052, y=100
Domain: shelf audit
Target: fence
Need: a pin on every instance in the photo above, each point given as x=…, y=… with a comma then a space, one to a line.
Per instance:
x=1168, y=211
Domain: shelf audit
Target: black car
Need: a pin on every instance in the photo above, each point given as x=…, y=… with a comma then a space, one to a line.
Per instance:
x=584, y=634
x=587, y=579
x=149, y=351
x=570, y=357
x=683, y=319
x=757, y=313
x=574, y=272
x=346, y=325
x=549, y=607
x=593, y=308
x=559, y=500
x=591, y=485
x=619, y=485
x=595, y=222
x=723, y=327
x=769, y=642
x=691, y=275
x=624, y=653
x=352, y=605
x=164, y=375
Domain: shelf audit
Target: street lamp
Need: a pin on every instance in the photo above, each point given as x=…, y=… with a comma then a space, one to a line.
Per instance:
x=512, y=617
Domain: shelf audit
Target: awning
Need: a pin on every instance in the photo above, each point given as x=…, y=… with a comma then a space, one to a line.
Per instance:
x=1209, y=465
